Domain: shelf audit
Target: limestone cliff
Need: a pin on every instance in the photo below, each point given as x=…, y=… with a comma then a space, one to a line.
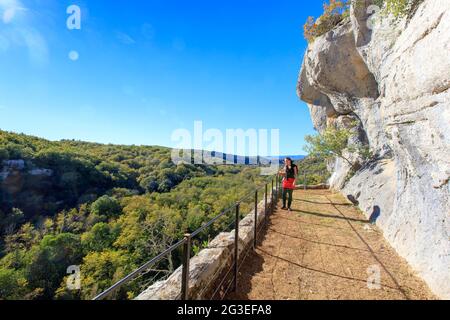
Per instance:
x=392, y=76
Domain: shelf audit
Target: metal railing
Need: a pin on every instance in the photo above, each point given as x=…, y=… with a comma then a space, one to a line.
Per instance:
x=186, y=242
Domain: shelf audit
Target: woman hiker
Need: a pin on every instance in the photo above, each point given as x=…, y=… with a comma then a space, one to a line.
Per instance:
x=289, y=174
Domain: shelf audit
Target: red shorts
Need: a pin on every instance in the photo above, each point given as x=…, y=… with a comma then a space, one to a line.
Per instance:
x=289, y=183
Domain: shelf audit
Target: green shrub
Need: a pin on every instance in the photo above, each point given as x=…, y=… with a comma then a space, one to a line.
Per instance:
x=335, y=143
x=334, y=12
x=337, y=10
x=107, y=206
x=398, y=8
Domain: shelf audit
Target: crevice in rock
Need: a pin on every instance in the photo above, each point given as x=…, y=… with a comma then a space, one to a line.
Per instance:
x=442, y=89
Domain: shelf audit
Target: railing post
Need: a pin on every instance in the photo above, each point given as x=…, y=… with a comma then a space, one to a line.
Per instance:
x=185, y=271
x=265, y=205
x=279, y=188
x=255, y=235
x=276, y=189
x=272, y=207
x=236, y=248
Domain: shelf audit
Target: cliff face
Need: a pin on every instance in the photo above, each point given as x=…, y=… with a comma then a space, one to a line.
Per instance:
x=393, y=79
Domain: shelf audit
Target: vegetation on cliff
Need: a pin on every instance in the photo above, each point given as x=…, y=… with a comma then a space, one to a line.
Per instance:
x=335, y=143
x=337, y=10
x=398, y=8
x=334, y=12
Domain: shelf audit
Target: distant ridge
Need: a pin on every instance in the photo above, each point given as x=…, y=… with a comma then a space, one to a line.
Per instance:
x=247, y=160
x=281, y=158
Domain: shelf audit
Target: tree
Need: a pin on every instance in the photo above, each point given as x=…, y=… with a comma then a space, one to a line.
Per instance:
x=4, y=154
x=99, y=238
x=160, y=232
x=329, y=144
x=335, y=142
x=48, y=261
x=23, y=239
x=12, y=220
x=150, y=184
x=316, y=169
x=101, y=270
x=61, y=221
x=107, y=206
x=13, y=285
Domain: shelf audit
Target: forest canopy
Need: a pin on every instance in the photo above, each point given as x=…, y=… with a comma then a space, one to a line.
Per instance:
x=105, y=208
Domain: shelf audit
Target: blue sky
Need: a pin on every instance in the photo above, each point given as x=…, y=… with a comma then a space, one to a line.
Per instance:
x=147, y=68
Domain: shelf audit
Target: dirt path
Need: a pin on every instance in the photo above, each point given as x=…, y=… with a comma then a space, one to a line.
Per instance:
x=325, y=249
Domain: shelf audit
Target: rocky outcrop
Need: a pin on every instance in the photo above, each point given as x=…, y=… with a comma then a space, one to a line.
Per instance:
x=23, y=185
x=392, y=76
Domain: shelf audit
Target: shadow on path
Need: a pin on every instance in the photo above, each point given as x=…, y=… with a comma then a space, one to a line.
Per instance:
x=321, y=271
x=371, y=251
x=323, y=215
